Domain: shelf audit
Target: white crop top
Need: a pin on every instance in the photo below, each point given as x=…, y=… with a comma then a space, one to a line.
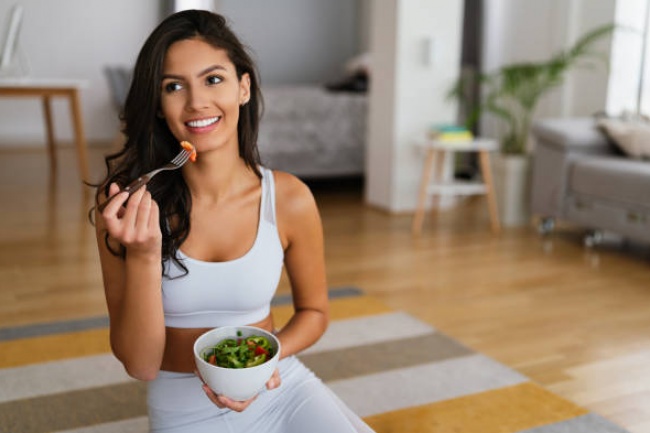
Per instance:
x=234, y=292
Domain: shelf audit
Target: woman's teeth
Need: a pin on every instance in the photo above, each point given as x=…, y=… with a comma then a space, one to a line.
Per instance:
x=202, y=123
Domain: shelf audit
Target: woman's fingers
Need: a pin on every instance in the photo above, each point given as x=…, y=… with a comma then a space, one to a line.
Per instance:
x=237, y=406
x=113, y=189
x=143, y=211
x=222, y=401
x=115, y=203
x=214, y=398
x=274, y=381
x=133, y=222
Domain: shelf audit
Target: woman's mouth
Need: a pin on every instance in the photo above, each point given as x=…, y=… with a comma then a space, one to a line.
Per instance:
x=202, y=123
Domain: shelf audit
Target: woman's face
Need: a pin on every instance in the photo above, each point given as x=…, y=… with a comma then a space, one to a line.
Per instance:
x=201, y=94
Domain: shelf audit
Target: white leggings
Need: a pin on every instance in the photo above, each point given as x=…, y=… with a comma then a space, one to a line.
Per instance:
x=301, y=404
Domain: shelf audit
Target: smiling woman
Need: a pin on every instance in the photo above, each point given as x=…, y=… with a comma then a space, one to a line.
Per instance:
x=204, y=247
x=202, y=94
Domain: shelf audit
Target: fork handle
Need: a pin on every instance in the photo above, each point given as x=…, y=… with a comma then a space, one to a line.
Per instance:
x=137, y=184
x=130, y=188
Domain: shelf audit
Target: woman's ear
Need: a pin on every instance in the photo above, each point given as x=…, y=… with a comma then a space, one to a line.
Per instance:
x=244, y=89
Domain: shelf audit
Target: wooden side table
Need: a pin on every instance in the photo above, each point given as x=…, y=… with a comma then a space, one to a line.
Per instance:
x=46, y=89
x=434, y=158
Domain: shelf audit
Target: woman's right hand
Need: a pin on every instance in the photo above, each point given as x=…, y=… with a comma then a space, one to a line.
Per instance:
x=134, y=224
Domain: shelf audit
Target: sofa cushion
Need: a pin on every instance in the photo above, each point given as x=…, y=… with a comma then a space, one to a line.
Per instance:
x=633, y=137
x=612, y=178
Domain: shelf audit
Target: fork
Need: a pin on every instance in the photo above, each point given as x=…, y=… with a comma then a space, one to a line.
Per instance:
x=178, y=161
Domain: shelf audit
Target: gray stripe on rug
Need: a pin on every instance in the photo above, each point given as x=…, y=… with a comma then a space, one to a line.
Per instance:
x=372, y=358
x=74, y=409
x=50, y=328
x=369, y=329
x=339, y=292
x=58, y=377
x=589, y=423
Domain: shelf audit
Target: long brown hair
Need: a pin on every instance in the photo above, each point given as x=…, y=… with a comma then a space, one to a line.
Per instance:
x=150, y=143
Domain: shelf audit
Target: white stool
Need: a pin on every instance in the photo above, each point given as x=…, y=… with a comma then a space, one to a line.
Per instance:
x=435, y=156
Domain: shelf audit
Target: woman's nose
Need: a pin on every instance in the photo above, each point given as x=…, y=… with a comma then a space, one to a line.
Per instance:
x=197, y=98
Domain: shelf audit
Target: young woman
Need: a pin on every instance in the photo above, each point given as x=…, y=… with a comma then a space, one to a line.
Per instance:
x=204, y=246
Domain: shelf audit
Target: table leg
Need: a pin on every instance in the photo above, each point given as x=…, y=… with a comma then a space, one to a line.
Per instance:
x=49, y=132
x=486, y=171
x=443, y=175
x=80, y=138
x=427, y=170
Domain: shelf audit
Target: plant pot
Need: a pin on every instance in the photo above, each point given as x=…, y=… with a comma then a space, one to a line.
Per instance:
x=512, y=176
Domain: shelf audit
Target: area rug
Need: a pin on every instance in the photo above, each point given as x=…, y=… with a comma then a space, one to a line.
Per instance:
x=397, y=372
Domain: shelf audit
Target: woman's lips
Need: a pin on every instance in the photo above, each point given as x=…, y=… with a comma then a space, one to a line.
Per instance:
x=202, y=124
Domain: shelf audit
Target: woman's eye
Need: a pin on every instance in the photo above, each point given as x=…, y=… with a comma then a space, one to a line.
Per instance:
x=213, y=79
x=171, y=87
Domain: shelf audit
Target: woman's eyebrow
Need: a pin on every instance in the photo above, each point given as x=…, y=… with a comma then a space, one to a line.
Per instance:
x=211, y=69
x=200, y=74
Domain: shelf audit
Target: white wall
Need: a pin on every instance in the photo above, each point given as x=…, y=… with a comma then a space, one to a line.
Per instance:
x=408, y=91
x=297, y=41
x=74, y=39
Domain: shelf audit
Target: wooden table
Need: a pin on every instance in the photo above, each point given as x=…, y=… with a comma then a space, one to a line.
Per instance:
x=46, y=89
x=434, y=158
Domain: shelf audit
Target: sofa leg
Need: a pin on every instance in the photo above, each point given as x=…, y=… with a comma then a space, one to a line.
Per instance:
x=593, y=238
x=545, y=226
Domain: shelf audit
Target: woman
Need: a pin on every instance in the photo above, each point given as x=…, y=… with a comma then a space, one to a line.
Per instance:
x=204, y=246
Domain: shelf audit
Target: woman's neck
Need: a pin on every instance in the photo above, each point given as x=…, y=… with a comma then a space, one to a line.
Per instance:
x=216, y=177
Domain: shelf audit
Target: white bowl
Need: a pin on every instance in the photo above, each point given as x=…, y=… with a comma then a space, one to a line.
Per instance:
x=236, y=383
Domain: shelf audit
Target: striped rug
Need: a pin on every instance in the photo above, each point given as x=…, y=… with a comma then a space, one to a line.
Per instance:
x=398, y=373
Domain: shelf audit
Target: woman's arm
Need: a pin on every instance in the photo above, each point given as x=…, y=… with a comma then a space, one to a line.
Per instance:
x=301, y=231
x=132, y=285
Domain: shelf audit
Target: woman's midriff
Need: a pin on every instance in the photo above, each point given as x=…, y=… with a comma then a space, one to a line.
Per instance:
x=179, y=346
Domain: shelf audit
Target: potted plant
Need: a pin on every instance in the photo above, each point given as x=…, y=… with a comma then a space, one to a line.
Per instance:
x=512, y=94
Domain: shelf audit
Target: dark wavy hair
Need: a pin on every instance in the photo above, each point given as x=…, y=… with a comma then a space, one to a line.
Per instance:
x=150, y=143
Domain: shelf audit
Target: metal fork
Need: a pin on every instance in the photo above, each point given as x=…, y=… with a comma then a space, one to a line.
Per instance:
x=178, y=161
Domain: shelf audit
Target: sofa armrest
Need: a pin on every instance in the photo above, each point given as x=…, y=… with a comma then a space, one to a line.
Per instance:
x=580, y=135
x=558, y=143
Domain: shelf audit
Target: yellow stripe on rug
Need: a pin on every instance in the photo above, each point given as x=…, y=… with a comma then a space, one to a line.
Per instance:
x=36, y=350
x=504, y=410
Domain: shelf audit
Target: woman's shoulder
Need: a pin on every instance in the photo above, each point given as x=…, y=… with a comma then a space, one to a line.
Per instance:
x=293, y=196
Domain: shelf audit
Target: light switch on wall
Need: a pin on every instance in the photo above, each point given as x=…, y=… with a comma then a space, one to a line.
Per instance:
x=428, y=51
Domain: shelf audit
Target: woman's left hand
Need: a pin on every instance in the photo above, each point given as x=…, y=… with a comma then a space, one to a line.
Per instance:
x=238, y=406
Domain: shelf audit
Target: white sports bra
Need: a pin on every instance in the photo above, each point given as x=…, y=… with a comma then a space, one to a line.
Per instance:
x=235, y=292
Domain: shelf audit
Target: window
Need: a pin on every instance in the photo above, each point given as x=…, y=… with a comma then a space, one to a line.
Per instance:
x=629, y=80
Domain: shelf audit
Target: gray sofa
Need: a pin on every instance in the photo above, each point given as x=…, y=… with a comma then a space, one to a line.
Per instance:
x=581, y=177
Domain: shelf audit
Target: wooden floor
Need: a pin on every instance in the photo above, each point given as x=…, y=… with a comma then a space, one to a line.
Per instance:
x=576, y=321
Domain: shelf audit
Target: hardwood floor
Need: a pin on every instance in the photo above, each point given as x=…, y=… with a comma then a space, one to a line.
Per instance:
x=574, y=320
